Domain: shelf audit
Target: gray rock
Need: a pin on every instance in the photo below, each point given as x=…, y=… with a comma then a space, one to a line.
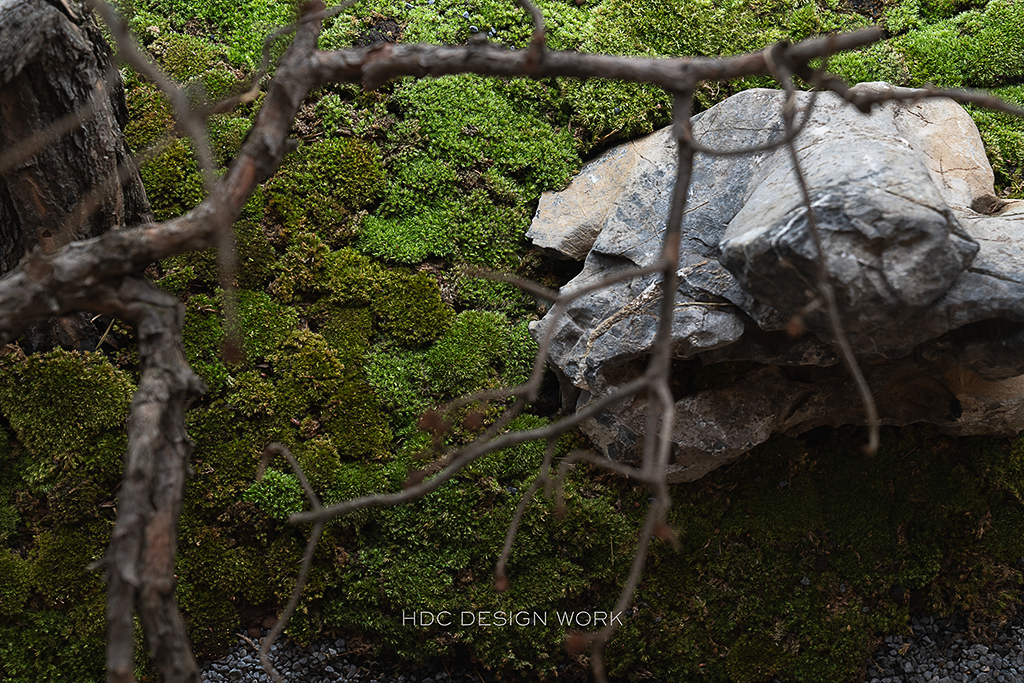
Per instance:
x=926, y=262
x=568, y=222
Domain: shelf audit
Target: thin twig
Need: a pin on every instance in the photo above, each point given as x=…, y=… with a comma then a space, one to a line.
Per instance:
x=777, y=59
x=500, y=578
x=535, y=56
x=469, y=454
x=128, y=52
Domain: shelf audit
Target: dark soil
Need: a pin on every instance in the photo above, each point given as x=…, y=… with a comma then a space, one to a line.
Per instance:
x=384, y=31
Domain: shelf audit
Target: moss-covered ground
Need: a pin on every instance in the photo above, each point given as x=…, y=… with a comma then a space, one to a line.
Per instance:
x=356, y=316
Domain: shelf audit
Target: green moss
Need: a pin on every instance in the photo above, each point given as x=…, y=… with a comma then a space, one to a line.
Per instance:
x=410, y=311
x=71, y=639
x=226, y=135
x=241, y=25
x=354, y=479
x=75, y=501
x=44, y=645
x=480, y=350
x=172, y=180
x=219, y=83
x=346, y=328
x=203, y=339
x=59, y=568
x=10, y=481
x=406, y=307
x=1003, y=135
x=60, y=405
x=184, y=56
x=302, y=268
x=14, y=584
x=254, y=260
x=399, y=380
x=973, y=49
x=277, y=494
x=263, y=324
x=151, y=116
x=319, y=461
x=466, y=119
x=466, y=157
x=252, y=395
x=9, y=519
x=437, y=554
x=451, y=197
x=944, y=9
x=312, y=383
x=351, y=279
x=878, y=62
x=514, y=466
x=213, y=573
x=687, y=28
x=756, y=659
x=903, y=16
x=788, y=563
x=486, y=294
x=321, y=187
x=444, y=22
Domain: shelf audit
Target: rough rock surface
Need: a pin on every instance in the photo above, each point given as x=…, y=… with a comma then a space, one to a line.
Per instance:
x=927, y=264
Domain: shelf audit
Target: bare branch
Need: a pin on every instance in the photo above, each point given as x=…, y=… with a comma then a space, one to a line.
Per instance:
x=777, y=59
x=376, y=65
x=140, y=558
x=500, y=578
x=470, y=453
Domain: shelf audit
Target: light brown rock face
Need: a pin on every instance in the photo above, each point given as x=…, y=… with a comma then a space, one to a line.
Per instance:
x=568, y=222
x=927, y=262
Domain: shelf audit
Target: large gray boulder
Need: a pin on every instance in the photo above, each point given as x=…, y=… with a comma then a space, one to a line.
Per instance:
x=926, y=262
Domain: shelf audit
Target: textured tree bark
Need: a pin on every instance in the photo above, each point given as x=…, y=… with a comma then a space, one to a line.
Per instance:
x=55, y=68
x=140, y=559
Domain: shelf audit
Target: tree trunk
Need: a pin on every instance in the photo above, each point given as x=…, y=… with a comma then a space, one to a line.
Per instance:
x=78, y=182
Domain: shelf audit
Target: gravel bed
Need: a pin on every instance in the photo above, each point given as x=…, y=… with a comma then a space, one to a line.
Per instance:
x=940, y=651
x=326, y=661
